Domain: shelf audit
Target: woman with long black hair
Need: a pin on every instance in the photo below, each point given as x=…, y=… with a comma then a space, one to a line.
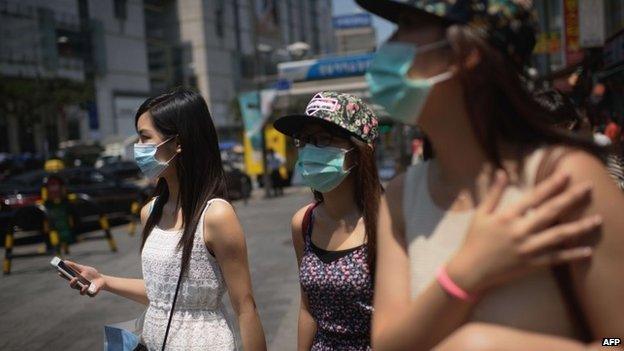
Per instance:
x=193, y=248
x=453, y=68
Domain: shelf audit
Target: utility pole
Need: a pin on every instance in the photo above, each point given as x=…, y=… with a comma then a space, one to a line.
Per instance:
x=266, y=180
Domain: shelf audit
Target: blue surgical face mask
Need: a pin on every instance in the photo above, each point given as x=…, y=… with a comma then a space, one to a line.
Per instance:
x=322, y=168
x=402, y=97
x=145, y=157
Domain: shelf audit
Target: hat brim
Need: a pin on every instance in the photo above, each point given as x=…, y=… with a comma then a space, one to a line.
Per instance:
x=392, y=10
x=292, y=125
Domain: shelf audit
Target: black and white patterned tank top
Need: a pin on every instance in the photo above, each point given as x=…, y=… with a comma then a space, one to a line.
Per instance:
x=339, y=287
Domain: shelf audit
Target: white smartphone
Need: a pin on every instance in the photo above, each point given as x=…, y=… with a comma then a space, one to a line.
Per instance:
x=69, y=273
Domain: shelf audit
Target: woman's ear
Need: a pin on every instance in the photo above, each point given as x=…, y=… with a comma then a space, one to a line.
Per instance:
x=178, y=145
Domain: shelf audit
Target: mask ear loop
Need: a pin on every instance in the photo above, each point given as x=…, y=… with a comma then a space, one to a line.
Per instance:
x=345, y=155
x=431, y=46
x=440, y=77
x=172, y=157
x=166, y=141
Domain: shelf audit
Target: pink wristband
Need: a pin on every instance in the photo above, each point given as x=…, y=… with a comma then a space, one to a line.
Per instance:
x=451, y=288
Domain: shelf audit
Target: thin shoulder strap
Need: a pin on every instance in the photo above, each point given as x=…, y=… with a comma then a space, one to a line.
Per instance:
x=562, y=273
x=307, y=219
x=208, y=203
x=151, y=204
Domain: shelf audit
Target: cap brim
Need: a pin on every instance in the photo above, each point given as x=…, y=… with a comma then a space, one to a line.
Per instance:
x=392, y=10
x=292, y=125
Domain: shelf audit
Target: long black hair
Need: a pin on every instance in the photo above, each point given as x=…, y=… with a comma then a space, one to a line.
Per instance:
x=183, y=114
x=500, y=108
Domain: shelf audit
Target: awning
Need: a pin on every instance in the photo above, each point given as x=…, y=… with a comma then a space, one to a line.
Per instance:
x=357, y=86
x=352, y=85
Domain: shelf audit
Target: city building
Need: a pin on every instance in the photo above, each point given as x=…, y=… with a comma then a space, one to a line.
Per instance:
x=354, y=33
x=70, y=70
x=224, y=47
x=568, y=29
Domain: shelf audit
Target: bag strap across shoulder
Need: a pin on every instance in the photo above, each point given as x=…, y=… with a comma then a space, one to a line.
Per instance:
x=562, y=273
x=175, y=295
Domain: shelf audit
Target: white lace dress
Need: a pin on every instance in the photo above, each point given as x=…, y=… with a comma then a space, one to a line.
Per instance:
x=199, y=320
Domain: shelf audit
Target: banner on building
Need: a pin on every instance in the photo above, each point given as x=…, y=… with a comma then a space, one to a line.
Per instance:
x=359, y=20
x=547, y=43
x=256, y=109
x=324, y=68
x=573, y=52
x=592, y=23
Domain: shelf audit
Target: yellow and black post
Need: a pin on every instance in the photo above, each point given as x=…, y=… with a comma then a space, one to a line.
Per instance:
x=134, y=211
x=8, y=251
x=107, y=233
x=16, y=223
x=53, y=237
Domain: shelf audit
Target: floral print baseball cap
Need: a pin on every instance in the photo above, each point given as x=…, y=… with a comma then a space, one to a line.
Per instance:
x=509, y=25
x=344, y=112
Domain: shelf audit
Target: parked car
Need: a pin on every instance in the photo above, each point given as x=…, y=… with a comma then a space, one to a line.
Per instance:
x=129, y=172
x=109, y=195
x=238, y=183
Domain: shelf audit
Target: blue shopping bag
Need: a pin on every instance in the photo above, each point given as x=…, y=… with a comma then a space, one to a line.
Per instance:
x=119, y=339
x=125, y=336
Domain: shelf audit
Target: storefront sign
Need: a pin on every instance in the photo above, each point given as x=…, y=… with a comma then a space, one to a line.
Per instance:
x=330, y=67
x=573, y=52
x=353, y=21
x=592, y=23
x=548, y=43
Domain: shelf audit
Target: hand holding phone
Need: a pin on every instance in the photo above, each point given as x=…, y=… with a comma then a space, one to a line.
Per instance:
x=77, y=280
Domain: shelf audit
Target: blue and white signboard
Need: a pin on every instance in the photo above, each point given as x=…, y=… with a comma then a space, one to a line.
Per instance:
x=324, y=68
x=353, y=21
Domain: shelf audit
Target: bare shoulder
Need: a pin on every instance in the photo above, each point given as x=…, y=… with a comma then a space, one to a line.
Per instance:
x=395, y=186
x=297, y=219
x=393, y=195
x=221, y=224
x=582, y=165
x=218, y=212
x=297, y=227
x=607, y=199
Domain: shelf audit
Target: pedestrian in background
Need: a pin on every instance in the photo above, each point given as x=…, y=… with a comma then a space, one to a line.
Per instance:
x=334, y=238
x=453, y=69
x=274, y=163
x=193, y=248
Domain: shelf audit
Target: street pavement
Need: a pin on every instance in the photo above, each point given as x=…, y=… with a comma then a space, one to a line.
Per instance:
x=38, y=311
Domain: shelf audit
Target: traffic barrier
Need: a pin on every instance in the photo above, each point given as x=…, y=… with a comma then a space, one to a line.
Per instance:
x=28, y=223
x=83, y=207
x=135, y=217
